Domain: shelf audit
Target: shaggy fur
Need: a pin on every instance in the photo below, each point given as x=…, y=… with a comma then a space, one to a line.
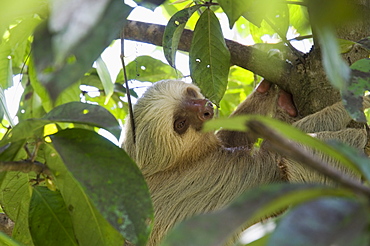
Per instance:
x=197, y=172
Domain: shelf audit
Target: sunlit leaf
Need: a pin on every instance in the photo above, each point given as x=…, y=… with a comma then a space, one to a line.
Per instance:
x=147, y=68
x=299, y=19
x=12, y=10
x=246, y=8
x=345, y=46
x=112, y=180
x=74, y=112
x=209, y=57
x=8, y=241
x=6, y=72
x=173, y=31
x=105, y=78
x=49, y=219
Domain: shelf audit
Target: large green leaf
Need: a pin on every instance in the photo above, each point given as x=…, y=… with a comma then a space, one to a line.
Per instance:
x=61, y=61
x=254, y=205
x=209, y=57
x=49, y=219
x=329, y=221
x=15, y=192
x=89, y=225
x=74, y=112
x=172, y=32
x=112, y=180
x=85, y=113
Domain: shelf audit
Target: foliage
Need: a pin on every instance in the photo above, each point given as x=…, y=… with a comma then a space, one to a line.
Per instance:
x=64, y=184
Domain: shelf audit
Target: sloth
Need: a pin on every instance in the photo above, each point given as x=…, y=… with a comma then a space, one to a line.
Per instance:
x=191, y=172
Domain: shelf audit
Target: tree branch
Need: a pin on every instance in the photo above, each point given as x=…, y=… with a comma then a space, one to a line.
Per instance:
x=271, y=68
x=299, y=154
x=25, y=166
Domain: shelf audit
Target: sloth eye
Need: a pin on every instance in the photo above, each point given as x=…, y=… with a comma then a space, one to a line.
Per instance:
x=181, y=125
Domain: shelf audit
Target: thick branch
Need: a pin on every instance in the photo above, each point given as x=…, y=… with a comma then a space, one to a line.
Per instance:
x=24, y=166
x=299, y=154
x=271, y=68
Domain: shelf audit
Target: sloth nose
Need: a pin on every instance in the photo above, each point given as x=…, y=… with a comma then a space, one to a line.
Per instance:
x=202, y=108
x=207, y=111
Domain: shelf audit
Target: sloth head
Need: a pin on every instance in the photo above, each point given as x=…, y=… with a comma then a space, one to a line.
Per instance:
x=168, y=120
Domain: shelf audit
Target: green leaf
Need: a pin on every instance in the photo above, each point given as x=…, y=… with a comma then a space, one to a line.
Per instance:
x=85, y=113
x=31, y=106
x=89, y=225
x=288, y=131
x=74, y=112
x=365, y=43
x=253, y=205
x=149, y=4
x=246, y=8
x=112, y=180
x=15, y=195
x=6, y=71
x=49, y=219
x=60, y=64
x=329, y=221
x=325, y=17
x=105, y=78
x=19, y=38
x=5, y=240
x=147, y=68
x=358, y=84
x=90, y=114
x=172, y=32
x=209, y=57
x=299, y=19
x=4, y=108
x=345, y=45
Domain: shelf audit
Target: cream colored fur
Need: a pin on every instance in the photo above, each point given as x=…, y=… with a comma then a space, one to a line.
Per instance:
x=197, y=172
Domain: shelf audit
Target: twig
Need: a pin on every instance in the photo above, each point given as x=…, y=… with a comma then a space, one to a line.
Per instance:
x=301, y=155
x=25, y=166
x=132, y=120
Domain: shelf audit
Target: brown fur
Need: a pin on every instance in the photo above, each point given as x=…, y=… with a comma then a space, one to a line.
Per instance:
x=197, y=172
